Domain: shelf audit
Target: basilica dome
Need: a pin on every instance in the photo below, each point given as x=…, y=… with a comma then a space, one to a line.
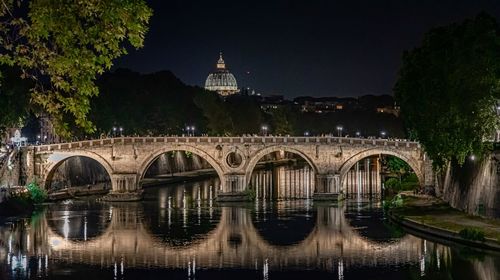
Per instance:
x=221, y=81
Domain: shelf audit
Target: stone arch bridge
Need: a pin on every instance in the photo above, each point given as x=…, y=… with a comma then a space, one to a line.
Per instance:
x=127, y=159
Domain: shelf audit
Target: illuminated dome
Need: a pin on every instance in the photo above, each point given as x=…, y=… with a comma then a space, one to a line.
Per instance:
x=221, y=81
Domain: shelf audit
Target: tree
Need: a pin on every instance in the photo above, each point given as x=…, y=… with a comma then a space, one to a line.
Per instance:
x=215, y=111
x=64, y=45
x=283, y=120
x=448, y=87
x=14, y=99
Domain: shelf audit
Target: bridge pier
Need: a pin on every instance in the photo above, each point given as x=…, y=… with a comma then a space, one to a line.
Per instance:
x=124, y=187
x=328, y=188
x=233, y=188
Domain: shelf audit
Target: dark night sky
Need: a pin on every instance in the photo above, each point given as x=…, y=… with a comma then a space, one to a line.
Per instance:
x=294, y=48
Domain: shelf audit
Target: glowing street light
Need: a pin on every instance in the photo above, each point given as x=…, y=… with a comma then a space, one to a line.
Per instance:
x=121, y=131
x=190, y=130
x=382, y=133
x=472, y=157
x=339, y=130
x=264, y=130
x=358, y=134
x=306, y=133
x=114, y=131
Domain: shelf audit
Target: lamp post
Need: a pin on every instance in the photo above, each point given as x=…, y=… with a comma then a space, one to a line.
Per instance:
x=121, y=131
x=264, y=130
x=114, y=131
x=382, y=134
x=358, y=134
x=190, y=130
x=306, y=133
x=339, y=130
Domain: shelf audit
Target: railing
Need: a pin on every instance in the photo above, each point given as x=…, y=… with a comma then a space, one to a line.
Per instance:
x=229, y=140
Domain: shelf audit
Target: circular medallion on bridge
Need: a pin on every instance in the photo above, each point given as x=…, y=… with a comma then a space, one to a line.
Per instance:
x=234, y=159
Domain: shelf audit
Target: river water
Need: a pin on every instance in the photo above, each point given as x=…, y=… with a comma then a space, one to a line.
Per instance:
x=180, y=232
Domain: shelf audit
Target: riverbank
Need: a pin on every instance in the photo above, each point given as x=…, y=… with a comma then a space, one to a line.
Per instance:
x=431, y=216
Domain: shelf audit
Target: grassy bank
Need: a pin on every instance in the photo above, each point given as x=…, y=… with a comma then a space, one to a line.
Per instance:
x=22, y=203
x=432, y=212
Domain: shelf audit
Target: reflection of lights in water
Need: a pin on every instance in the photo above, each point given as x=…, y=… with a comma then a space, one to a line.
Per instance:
x=425, y=247
x=184, y=209
x=264, y=210
x=13, y=263
x=27, y=242
x=194, y=266
x=189, y=269
x=10, y=244
x=438, y=260
x=46, y=263
x=66, y=224
x=422, y=265
x=341, y=269
x=163, y=198
x=199, y=206
x=110, y=212
x=115, y=270
x=265, y=270
x=210, y=204
x=85, y=229
x=169, y=211
x=122, y=266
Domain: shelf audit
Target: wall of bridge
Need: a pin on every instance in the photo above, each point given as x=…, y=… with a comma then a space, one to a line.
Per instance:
x=127, y=159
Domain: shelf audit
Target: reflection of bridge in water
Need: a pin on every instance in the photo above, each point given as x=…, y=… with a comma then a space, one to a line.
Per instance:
x=332, y=244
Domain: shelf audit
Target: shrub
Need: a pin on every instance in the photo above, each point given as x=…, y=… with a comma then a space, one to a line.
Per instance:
x=250, y=192
x=395, y=202
x=472, y=234
x=37, y=194
x=393, y=183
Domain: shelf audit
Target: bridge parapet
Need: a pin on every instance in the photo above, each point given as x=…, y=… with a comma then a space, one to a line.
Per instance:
x=229, y=140
x=127, y=159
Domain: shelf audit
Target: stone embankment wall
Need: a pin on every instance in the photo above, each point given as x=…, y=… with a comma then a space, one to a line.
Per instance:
x=474, y=187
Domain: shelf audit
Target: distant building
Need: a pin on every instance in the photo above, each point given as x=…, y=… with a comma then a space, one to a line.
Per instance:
x=388, y=110
x=273, y=102
x=321, y=104
x=222, y=81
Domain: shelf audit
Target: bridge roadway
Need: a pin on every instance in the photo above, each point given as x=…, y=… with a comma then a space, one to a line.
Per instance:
x=234, y=243
x=127, y=159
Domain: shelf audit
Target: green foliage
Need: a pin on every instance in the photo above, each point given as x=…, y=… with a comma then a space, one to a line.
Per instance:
x=245, y=113
x=397, y=165
x=472, y=234
x=37, y=194
x=448, y=88
x=409, y=182
x=250, y=193
x=216, y=113
x=64, y=45
x=283, y=120
x=14, y=98
x=150, y=104
x=396, y=202
x=393, y=183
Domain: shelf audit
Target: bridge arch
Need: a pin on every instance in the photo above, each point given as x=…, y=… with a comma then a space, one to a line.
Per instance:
x=146, y=163
x=349, y=163
x=271, y=149
x=60, y=157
